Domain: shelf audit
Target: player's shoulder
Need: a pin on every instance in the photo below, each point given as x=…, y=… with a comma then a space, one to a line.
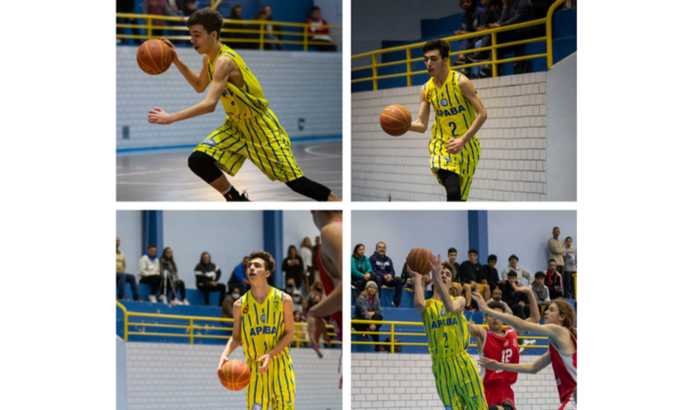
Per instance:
x=286, y=297
x=332, y=229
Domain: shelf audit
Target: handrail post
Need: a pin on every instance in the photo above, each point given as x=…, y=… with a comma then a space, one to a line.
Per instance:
x=148, y=32
x=575, y=287
x=392, y=338
x=262, y=36
x=408, y=68
x=191, y=331
x=126, y=326
x=296, y=331
x=374, y=71
x=550, y=12
x=306, y=37
x=494, y=56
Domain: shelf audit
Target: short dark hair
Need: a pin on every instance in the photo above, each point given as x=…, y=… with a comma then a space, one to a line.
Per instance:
x=473, y=251
x=512, y=273
x=209, y=18
x=269, y=260
x=568, y=237
x=438, y=44
x=513, y=256
x=495, y=305
x=451, y=268
x=539, y=275
x=451, y=250
x=551, y=260
x=152, y=245
x=314, y=8
x=492, y=258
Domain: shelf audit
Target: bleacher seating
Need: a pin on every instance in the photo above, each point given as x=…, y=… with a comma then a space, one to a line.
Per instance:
x=194, y=296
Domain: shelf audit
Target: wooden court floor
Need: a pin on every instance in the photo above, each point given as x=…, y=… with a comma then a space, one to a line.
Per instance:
x=164, y=175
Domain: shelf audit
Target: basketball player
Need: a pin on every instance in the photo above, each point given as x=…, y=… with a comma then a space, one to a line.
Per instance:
x=251, y=129
x=330, y=266
x=459, y=114
x=559, y=319
x=456, y=377
x=263, y=322
x=501, y=345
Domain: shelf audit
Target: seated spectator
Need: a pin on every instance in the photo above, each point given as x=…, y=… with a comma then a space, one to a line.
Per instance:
x=227, y=307
x=161, y=8
x=168, y=270
x=127, y=7
x=293, y=268
x=519, y=270
x=369, y=307
x=515, y=300
x=470, y=21
x=540, y=290
x=238, y=277
x=408, y=280
x=123, y=278
x=269, y=29
x=496, y=297
x=261, y=16
x=569, y=269
x=190, y=6
x=306, y=251
x=360, y=267
x=237, y=14
x=452, y=259
x=490, y=273
x=208, y=275
x=302, y=329
x=472, y=278
x=383, y=269
x=490, y=15
x=149, y=271
x=317, y=32
x=299, y=302
x=553, y=280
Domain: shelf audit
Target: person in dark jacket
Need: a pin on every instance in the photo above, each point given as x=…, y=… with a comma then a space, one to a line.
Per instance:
x=238, y=278
x=293, y=268
x=470, y=21
x=168, y=269
x=208, y=275
x=272, y=27
x=369, y=307
x=384, y=272
x=553, y=280
x=517, y=301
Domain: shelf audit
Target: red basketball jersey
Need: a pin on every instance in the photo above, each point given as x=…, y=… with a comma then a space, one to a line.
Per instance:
x=503, y=349
x=329, y=284
x=564, y=367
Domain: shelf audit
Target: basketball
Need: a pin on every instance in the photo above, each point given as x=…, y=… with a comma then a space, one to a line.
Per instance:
x=419, y=260
x=234, y=375
x=154, y=57
x=395, y=120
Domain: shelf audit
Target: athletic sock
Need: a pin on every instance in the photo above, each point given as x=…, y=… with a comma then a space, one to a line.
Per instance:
x=232, y=195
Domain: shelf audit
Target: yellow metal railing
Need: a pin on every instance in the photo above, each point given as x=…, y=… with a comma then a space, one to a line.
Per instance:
x=575, y=287
x=492, y=48
x=392, y=332
x=260, y=31
x=300, y=335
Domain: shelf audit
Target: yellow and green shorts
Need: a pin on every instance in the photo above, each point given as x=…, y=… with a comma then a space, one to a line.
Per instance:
x=463, y=164
x=458, y=383
x=259, y=139
x=274, y=389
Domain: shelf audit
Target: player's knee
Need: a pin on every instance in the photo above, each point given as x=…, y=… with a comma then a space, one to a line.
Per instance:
x=309, y=188
x=204, y=166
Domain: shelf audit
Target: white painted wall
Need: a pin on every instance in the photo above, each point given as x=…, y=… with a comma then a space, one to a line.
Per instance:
x=512, y=166
x=561, y=128
x=297, y=85
x=525, y=234
x=405, y=381
x=405, y=230
x=295, y=226
x=129, y=233
x=226, y=235
x=181, y=376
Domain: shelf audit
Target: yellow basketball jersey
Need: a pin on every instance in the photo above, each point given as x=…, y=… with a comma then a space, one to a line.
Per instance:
x=448, y=333
x=453, y=112
x=262, y=324
x=239, y=103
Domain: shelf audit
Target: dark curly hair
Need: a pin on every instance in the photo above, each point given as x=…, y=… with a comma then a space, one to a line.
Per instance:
x=209, y=18
x=269, y=260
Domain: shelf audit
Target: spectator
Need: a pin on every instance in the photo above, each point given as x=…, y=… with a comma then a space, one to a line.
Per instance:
x=299, y=302
x=553, y=280
x=452, y=259
x=515, y=300
x=149, y=271
x=261, y=16
x=160, y=8
x=409, y=283
x=227, y=308
x=556, y=249
x=317, y=246
x=307, y=255
x=491, y=14
x=127, y=7
x=496, y=296
x=168, y=270
x=383, y=268
x=317, y=32
x=270, y=28
x=470, y=21
x=472, y=276
x=208, y=275
x=540, y=290
x=490, y=273
x=302, y=329
x=369, y=307
x=569, y=268
x=519, y=270
x=360, y=267
x=293, y=267
x=123, y=277
x=238, y=277
x=237, y=14
x=190, y=6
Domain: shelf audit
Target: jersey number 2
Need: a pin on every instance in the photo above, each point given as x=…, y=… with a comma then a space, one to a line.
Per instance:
x=454, y=128
x=446, y=346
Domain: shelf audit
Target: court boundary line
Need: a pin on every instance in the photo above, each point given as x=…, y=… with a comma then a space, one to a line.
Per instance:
x=297, y=139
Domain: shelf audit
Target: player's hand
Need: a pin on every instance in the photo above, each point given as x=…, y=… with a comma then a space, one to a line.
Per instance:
x=518, y=287
x=489, y=364
x=340, y=385
x=158, y=116
x=436, y=264
x=171, y=46
x=265, y=359
x=476, y=296
x=455, y=145
x=222, y=362
x=317, y=328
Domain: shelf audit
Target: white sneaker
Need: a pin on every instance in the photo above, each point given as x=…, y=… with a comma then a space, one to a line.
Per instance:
x=526, y=343
x=162, y=299
x=185, y=302
x=175, y=302
x=152, y=298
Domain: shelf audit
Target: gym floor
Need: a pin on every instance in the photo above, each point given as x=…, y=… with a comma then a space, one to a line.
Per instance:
x=163, y=175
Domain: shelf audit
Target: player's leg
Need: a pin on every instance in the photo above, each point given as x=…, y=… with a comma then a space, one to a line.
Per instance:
x=471, y=383
x=451, y=182
x=283, y=382
x=440, y=372
x=471, y=153
x=486, y=291
x=257, y=393
x=121, y=283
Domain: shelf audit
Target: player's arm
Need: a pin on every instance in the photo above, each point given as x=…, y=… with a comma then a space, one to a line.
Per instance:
x=198, y=81
x=418, y=291
x=456, y=305
x=534, y=307
x=530, y=368
x=224, y=68
x=235, y=340
x=288, y=311
x=467, y=88
x=519, y=325
x=478, y=333
x=421, y=123
x=332, y=238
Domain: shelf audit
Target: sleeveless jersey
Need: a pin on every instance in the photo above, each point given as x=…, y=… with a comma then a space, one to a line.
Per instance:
x=262, y=324
x=448, y=333
x=503, y=349
x=453, y=112
x=239, y=103
x=564, y=367
x=329, y=284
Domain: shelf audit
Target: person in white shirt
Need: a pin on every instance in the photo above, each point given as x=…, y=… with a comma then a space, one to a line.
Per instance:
x=307, y=255
x=149, y=271
x=519, y=270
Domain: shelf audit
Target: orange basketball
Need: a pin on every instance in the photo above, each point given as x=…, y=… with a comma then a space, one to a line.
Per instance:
x=234, y=375
x=395, y=120
x=419, y=260
x=154, y=57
